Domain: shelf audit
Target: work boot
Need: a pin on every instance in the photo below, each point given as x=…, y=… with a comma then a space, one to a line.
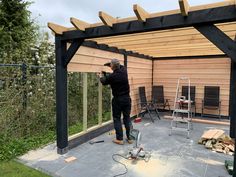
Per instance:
x=130, y=141
x=120, y=142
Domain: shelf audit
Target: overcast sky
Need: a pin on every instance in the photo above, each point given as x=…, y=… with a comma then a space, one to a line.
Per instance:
x=60, y=11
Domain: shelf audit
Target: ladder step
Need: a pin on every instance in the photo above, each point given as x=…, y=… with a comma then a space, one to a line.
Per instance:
x=179, y=129
x=181, y=111
x=180, y=119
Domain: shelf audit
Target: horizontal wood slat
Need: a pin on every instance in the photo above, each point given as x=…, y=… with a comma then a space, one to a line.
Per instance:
x=92, y=60
x=202, y=72
x=175, y=42
x=140, y=74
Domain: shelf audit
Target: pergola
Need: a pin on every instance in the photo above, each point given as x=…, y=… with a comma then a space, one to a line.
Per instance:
x=189, y=31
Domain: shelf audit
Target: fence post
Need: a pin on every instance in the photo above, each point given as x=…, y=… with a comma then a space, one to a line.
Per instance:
x=85, y=103
x=99, y=103
x=24, y=80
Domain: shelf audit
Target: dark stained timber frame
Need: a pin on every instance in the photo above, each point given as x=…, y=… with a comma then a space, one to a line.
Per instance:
x=61, y=96
x=202, y=20
x=212, y=15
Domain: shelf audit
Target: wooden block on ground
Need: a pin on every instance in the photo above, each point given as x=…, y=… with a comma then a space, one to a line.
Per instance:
x=208, y=144
x=219, y=150
x=231, y=147
x=70, y=159
x=218, y=134
x=209, y=134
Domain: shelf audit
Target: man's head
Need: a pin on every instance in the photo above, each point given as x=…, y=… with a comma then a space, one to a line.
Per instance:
x=114, y=64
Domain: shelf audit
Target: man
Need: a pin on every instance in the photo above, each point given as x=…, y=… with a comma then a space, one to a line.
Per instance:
x=121, y=102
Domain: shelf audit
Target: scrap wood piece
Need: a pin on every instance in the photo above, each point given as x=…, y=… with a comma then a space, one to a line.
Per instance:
x=212, y=134
x=218, y=150
x=208, y=144
x=226, y=150
x=218, y=134
x=70, y=159
x=231, y=147
x=209, y=134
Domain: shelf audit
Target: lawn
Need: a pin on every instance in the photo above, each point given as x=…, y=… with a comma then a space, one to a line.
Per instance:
x=13, y=168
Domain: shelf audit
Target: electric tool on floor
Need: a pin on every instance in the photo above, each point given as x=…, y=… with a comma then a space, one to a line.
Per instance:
x=137, y=151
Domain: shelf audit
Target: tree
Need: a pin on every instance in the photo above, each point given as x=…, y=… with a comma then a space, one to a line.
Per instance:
x=18, y=32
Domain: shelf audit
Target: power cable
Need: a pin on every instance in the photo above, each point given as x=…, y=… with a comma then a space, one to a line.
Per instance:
x=126, y=170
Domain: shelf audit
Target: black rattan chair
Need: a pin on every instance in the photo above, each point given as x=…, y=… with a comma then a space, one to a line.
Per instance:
x=146, y=106
x=211, y=99
x=158, y=97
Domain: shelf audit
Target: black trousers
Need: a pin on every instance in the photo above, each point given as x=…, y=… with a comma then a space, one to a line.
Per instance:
x=121, y=104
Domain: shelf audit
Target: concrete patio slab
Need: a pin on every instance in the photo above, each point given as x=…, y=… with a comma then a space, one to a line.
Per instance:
x=171, y=156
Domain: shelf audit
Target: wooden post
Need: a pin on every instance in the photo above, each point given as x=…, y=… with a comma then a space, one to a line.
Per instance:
x=232, y=104
x=61, y=97
x=111, y=105
x=99, y=103
x=85, y=103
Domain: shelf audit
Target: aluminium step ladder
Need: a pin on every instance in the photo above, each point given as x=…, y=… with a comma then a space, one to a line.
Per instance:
x=182, y=114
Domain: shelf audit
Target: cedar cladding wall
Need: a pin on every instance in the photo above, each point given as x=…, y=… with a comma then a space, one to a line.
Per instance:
x=89, y=59
x=202, y=72
x=140, y=74
x=92, y=60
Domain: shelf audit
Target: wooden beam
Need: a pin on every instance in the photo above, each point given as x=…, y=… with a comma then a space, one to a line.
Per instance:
x=57, y=29
x=218, y=15
x=171, y=12
x=79, y=24
x=107, y=19
x=164, y=33
x=141, y=14
x=72, y=50
x=219, y=38
x=184, y=7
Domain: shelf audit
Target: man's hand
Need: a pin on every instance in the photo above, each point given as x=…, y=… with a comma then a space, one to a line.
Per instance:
x=99, y=74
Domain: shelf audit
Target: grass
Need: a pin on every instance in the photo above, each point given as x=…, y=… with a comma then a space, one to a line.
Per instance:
x=11, y=148
x=13, y=168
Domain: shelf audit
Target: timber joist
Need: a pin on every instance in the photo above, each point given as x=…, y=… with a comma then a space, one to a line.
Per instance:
x=156, y=34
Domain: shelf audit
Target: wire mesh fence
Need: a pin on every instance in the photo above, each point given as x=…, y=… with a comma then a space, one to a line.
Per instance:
x=27, y=104
x=27, y=101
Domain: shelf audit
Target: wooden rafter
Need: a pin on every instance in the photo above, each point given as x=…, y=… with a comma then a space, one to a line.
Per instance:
x=141, y=14
x=57, y=29
x=79, y=24
x=221, y=14
x=184, y=7
x=107, y=19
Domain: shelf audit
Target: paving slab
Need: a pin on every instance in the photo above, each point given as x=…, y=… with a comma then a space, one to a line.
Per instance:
x=171, y=156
